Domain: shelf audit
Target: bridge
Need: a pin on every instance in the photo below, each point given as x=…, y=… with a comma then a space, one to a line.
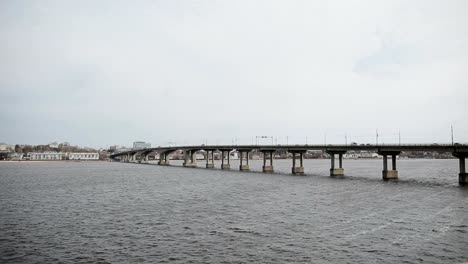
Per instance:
x=460, y=151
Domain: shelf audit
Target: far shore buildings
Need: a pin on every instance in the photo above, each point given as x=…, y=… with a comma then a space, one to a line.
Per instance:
x=63, y=156
x=46, y=156
x=5, y=147
x=83, y=156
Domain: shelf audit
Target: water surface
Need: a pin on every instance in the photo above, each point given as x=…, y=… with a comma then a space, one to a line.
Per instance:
x=88, y=212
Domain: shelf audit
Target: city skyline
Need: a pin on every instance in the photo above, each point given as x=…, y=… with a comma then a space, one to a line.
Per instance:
x=106, y=73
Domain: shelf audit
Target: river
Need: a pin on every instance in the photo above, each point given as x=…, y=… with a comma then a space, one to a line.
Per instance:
x=109, y=212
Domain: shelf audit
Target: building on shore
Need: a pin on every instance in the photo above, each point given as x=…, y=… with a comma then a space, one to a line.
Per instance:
x=83, y=156
x=46, y=156
x=6, y=147
x=368, y=155
x=61, y=156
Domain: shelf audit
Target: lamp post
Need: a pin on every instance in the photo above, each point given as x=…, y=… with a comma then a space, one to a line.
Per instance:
x=399, y=137
x=376, y=137
x=451, y=130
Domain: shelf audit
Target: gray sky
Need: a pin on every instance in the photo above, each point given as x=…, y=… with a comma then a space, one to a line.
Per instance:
x=98, y=73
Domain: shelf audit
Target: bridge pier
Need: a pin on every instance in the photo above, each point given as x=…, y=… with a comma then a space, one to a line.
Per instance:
x=463, y=175
x=298, y=170
x=244, y=167
x=393, y=173
x=333, y=170
x=144, y=158
x=266, y=168
x=208, y=164
x=190, y=160
x=225, y=166
x=141, y=155
x=163, y=159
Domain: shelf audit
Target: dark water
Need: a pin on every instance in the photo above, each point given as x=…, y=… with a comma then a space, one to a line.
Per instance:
x=84, y=212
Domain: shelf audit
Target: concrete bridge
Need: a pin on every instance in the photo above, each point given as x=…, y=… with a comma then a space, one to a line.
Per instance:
x=335, y=151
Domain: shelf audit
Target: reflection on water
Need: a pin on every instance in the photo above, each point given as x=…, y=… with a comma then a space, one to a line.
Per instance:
x=119, y=213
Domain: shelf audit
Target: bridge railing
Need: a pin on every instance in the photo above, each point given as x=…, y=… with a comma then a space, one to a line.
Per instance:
x=434, y=146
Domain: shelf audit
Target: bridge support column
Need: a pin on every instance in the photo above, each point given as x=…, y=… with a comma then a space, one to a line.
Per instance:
x=297, y=170
x=163, y=159
x=189, y=160
x=244, y=167
x=186, y=158
x=134, y=158
x=386, y=173
x=333, y=170
x=208, y=164
x=463, y=175
x=266, y=168
x=166, y=158
x=144, y=158
x=225, y=166
x=193, y=158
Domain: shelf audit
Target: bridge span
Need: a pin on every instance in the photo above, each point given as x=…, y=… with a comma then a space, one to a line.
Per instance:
x=336, y=152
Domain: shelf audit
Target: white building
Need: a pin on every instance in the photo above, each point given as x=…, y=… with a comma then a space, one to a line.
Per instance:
x=83, y=156
x=53, y=145
x=351, y=155
x=234, y=155
x=368, y=155
x=141, y=145
x=4, y=147
x=15, y=156
x=46, y=156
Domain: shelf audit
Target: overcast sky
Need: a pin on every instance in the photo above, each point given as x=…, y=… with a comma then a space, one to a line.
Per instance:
x=98, y=73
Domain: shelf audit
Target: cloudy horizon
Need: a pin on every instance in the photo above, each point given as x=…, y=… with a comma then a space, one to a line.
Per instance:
x=100, y=73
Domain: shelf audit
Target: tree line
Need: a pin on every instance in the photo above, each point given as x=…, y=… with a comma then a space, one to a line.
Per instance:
x=43, y=148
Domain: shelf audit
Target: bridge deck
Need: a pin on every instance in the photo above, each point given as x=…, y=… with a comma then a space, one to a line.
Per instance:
x=456, y=148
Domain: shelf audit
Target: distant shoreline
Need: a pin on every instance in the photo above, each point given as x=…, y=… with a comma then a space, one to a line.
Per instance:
x=35, y=161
